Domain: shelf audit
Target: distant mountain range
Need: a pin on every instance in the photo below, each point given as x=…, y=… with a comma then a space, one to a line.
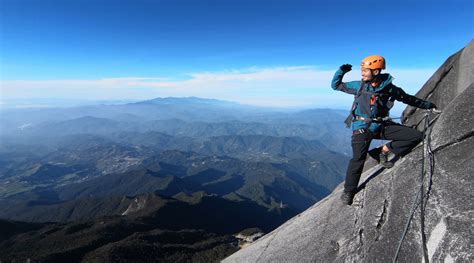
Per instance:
x=212, y=167
x=192, y=100
x=192, y=117
x=297, y=182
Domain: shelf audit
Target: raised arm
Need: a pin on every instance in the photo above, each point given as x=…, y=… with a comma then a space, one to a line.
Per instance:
x=400, y=95
x=347, y=87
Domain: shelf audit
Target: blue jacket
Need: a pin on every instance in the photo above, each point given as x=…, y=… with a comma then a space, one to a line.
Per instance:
x=372, y=102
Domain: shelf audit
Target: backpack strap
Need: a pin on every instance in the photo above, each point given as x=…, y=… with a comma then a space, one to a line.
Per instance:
x=351, y=116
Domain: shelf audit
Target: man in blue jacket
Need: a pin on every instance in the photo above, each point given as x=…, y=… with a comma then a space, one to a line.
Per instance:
x=373, y=97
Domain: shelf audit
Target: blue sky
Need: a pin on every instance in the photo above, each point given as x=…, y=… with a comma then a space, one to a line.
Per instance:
x=256, y=52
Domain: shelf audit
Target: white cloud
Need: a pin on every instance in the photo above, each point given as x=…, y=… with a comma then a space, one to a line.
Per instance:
x=300, y=86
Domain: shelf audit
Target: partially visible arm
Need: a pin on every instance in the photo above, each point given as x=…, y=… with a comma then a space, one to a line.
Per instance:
x=400, y=95
x=347, y=87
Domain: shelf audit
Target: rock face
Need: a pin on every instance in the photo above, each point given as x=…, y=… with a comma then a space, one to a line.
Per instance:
x=371, y=229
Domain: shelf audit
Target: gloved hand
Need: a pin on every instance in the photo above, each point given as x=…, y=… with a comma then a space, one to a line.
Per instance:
x=429, y=105
x=346, y=68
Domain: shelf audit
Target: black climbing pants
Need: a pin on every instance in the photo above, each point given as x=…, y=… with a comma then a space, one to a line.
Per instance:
x=403, y=139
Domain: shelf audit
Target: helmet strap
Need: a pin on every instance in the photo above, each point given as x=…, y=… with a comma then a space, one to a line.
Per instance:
x=375, y=79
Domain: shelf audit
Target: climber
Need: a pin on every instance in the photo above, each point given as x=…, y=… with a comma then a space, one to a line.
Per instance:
x=374, y=95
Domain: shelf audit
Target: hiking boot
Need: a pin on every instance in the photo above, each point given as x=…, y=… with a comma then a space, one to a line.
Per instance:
x=347, y=197
x=375, y=153
x=383, y=157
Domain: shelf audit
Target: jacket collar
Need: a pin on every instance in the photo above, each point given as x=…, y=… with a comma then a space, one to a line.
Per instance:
x=384, y=79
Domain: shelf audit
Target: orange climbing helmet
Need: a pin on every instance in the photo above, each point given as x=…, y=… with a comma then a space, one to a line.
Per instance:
x=373, y=62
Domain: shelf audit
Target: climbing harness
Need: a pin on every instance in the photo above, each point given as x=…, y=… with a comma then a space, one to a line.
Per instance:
x=369, y=120
x=427, y=123
x=375, y=101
